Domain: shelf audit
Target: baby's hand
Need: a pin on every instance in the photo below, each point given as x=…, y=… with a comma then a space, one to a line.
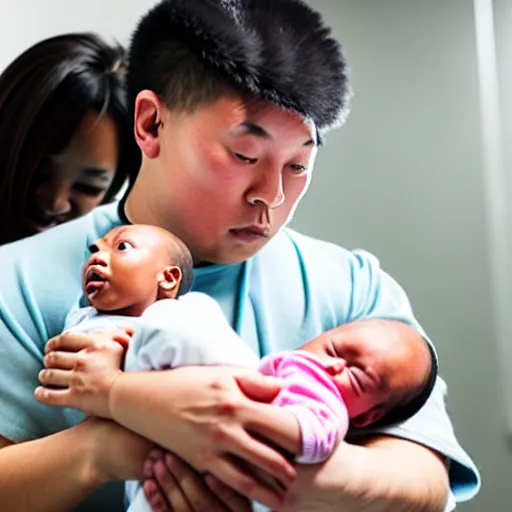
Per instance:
x=81, y=369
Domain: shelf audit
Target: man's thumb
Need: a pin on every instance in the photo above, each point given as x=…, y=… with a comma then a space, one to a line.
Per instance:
x=259, y=387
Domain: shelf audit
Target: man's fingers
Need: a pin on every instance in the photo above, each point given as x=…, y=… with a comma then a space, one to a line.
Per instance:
x=68, y=341
x=239, y=478
x=155, y=496
x=76, y=341
x=55, y=397
x=197, y=494
x=170, y=488
x=61, y=360
x=267, y=459
x=55, y=378
x=231, y=499
x=259, y=387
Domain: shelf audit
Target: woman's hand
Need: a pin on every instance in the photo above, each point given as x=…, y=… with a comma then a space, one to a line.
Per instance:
x=85, y=366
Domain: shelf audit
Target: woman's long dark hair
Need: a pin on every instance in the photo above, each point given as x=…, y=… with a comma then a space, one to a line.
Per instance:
x=44, y=95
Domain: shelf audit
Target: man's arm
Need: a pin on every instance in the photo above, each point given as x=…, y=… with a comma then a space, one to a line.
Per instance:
x=59, y=471
x=382, y=474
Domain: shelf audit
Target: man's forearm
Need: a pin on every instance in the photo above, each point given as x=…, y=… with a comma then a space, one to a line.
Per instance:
x=53, y=473
x=405, y=476
x=382, y=474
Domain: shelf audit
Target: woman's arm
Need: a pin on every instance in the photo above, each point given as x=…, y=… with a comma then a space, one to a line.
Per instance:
x=59, y=471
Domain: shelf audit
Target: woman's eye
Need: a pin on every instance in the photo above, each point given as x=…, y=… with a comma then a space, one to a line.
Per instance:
x=124, y=246
x=88, y=190
x=246, y=159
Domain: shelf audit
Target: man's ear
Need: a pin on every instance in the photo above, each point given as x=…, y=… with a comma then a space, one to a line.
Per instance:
x=368, y=418
x=169, y=283
x=148, y=120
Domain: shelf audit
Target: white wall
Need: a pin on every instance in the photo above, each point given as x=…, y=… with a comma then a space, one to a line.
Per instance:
x=410, y=187
x=24, y=22
x=403, y=179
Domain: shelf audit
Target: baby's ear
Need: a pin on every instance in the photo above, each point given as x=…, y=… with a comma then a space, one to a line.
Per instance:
x=169, y=283
x=368, y=418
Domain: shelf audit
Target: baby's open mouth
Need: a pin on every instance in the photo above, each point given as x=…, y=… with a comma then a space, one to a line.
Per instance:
x=94, y=282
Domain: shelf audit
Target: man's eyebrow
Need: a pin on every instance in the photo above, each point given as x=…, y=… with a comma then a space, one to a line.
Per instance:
x=256, y=130
x=260, y=132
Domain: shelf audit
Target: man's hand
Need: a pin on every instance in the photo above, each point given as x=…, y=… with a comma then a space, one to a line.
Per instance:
x=198, y=413
x=81, y=368
x=173, y=486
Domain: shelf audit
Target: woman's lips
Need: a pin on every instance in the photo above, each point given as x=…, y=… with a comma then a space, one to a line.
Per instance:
x=39, y=225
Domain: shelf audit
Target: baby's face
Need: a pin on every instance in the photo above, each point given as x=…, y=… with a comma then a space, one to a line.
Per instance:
x=370, y=375
x=124, y=269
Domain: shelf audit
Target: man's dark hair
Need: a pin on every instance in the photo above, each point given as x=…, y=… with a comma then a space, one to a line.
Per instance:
x=189, y=52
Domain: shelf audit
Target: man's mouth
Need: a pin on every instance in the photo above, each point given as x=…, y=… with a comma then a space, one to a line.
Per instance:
x=251, y=233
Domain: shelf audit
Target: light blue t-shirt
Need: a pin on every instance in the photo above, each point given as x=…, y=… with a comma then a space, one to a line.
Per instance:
x=290, y=292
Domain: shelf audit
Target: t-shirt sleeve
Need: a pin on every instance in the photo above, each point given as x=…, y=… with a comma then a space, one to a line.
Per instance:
x=375, y=294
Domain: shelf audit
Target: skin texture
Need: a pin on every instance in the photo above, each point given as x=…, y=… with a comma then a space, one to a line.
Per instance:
x=225, y=189
x=129, y=269
x=73, y=182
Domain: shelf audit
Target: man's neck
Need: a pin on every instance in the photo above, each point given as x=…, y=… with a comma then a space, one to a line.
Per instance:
x=138, y=208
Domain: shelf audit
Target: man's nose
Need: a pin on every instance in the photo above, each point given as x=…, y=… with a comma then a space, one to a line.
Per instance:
x=267, y=189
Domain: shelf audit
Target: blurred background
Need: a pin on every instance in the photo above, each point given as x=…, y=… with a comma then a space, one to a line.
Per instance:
x=417, y=176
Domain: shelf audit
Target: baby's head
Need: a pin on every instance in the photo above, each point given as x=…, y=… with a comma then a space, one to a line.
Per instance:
x=382, y=381
x=133, y=266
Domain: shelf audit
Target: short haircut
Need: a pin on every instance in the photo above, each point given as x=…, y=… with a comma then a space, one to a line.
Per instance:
x=189, y=52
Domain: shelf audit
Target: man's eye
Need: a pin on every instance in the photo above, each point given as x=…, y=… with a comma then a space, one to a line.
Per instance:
x=246, y=158
x=124, y=246
x=298, y=168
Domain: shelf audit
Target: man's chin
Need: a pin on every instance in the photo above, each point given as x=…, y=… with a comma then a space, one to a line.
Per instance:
x=232, y=257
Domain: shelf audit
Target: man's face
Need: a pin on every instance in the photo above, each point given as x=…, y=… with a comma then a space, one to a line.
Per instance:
x=123, y=271
x=229, y=175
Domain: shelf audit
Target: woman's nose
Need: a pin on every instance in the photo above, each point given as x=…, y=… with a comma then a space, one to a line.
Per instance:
x=53, y=199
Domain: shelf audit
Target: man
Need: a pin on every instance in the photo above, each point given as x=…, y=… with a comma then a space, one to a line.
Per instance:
x=231, y=99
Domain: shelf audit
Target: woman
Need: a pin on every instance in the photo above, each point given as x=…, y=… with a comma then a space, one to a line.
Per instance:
x=66, y=143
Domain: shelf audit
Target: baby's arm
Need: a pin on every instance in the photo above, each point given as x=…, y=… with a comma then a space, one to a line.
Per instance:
x=313, y=400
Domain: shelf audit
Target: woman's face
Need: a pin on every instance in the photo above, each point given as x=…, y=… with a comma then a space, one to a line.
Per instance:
x=73, y=182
